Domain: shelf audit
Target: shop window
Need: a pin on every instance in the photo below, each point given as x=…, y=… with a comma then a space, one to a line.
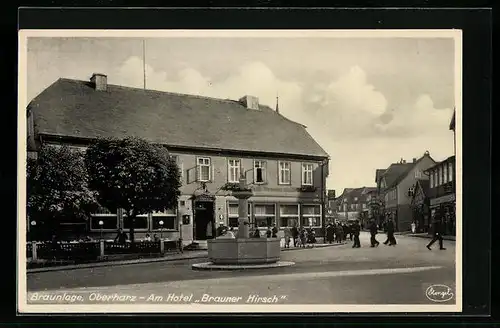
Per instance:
x=233, y=214
x=265, y=215
x=289, y=215
x=311, y=215
x=141, y=222
x=168, y=217
x=110, y=222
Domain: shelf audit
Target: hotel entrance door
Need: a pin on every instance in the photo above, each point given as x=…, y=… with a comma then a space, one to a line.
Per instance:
x=203, y=215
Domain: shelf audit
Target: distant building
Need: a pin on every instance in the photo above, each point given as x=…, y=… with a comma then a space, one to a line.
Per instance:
x=420, y=205
x=213, y=140
x=393, y=186
x=442, y=195
x=331, y=206
x=353, y=204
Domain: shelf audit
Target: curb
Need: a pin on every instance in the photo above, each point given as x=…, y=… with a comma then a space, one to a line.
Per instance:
x=113, y=263
x=151, y=260
x=209, y=266
x=317, y=246
x=447, y=238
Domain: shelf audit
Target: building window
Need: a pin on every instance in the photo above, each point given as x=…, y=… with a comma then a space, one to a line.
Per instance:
x=364, y=206
x=353, y=207
x=259, y=171
x=431, y=177
x=140, y=222
x=345, y=207
x=109, y=220
x=307, y=174
x=311, y=215
x=233, y=214
x=234, y=169
x=445, y=173
x=418, y=174
x=289, y=215
x=284, y=174
x=436, y=181
x=450, y=171
x=203, y=168
x=169, y=218
x=386, y=197
x=265, y=215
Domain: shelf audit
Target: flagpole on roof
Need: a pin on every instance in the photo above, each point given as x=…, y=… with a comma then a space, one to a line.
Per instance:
x=144, y=61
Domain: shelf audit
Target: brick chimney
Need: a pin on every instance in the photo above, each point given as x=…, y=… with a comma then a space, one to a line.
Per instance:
x=414, y=160
x=250, y=102
x=100, y=81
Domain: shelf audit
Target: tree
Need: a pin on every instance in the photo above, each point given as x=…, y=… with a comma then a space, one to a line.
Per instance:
x=134, y=175
x=57, y=188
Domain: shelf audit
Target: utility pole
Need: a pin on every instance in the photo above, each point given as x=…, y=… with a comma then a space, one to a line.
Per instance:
x=144, y=61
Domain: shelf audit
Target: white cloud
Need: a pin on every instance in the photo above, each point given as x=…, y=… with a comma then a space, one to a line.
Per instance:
x=343, y=115
x=419, y=118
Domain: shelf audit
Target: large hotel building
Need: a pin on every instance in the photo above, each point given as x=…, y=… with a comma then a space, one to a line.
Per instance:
x=213, y=140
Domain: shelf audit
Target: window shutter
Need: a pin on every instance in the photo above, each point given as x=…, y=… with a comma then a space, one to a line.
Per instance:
x=264, y=171
x=212, y=173
x=254, y=173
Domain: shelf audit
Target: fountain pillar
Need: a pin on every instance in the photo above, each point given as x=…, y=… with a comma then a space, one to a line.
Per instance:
x=243, y=194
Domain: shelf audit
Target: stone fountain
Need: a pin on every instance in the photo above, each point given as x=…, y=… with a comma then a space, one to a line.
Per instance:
x=242, y=252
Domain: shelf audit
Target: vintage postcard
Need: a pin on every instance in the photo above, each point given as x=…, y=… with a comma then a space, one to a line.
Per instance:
x=240, y=171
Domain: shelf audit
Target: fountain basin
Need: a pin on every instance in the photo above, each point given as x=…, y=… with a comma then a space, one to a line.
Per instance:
x=244, y=250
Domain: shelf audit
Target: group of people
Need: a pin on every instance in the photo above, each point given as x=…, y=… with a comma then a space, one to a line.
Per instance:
x=339, y=232
x=301, y=237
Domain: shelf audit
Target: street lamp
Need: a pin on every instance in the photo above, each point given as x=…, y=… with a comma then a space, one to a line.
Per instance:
x=101, y=223
x=33, y=224
x=161, y=229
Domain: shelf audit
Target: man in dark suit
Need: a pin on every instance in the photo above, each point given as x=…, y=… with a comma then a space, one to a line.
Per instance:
x=391, y=240
x=373, y=232
x=439, y=228
x=355, y=230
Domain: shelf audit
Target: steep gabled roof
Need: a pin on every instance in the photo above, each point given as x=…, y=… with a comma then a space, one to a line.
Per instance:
x=74, y=108
x=351, y=193
x=452, y=122
x=395, y=171
x=406, y=169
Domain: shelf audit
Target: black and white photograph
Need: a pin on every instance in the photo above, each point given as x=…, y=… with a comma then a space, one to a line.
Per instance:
x=240, y=171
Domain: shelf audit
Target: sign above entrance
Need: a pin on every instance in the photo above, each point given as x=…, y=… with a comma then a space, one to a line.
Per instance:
x=201, y=195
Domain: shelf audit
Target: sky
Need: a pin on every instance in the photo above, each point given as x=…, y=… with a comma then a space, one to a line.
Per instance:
x=367, y=101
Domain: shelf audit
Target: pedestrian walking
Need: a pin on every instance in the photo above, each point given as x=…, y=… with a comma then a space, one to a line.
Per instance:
x=269, y=232
x=274, y=231
x=413, y=227
x=329, y=233
x=355, y=231
x=373, y=233
x=391, y=240
x=438, y=227
x=295, y=234
x=339, y=234
x=121, y=237
x=302, y=237
x=288, y=236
